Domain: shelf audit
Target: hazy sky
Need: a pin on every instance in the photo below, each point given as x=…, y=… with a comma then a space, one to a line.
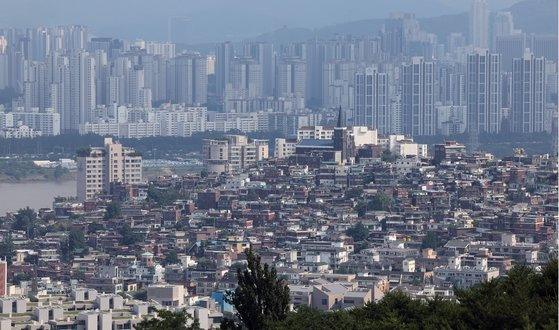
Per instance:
x=212, y=20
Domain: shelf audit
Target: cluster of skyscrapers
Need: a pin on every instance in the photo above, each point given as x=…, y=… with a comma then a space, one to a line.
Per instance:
x=401, y=80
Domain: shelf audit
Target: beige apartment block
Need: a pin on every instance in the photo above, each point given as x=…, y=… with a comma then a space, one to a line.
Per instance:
x=98, y=167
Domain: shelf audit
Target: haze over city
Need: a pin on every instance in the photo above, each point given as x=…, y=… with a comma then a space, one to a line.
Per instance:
x=248, y=164
x=215, y=20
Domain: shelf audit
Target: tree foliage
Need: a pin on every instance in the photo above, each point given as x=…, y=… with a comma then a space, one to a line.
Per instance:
x=7, y=251
x=380, y=202
x=65, y=145
x=94, y=227
x=171, y=258
x=112, y=210
x=361, y=208
x=25, y=219
x=129, y=237
x=358, y=232
x=76, y=240
x=261, y=296
x=17, y=170
x=388, y=156
x=162, y=196
x=523, y=299
x=169, y=320
x=431, y=241
x=354, y=193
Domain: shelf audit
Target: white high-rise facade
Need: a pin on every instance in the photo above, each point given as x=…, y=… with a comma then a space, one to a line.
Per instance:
x=82, y=91
x=479, y=24
x=188, y=80
x=135, y=85
x=483, y=92
x=528, y=94
x=337, y=84
x=418, y=98
x=372, y=107
x=224, y=56
x=246, y=78
x=291, y=78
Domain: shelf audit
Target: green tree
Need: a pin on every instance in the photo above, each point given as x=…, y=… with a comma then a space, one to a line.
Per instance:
x=64, y=250
x=358, y=232
x=308, y=318
x=162, y=196
x=261, y=296
x=83, y=151
x=32, y=259
x=59, y=172
x=129, y=237
x=7, y=251
x=76, y=240
x=21, y=277
x=380, y=202
x=431, y=241
x=523, y=299
x=388, y=156
x=25, y=220
x=95, y=227
x=112, y=210
x=361, y=208
x=354, y=193
x=169, y=320
x=171, y=258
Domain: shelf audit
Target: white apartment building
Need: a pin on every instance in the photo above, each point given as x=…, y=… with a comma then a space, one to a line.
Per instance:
x=20, y=131
x=284, y=148
x=315, y=133
x=233, y=153
x=464, y=276
x=362, y=135
x=122, y=130
x=165, y=49
x=166, y=295
x=407, y=148
x=6, y=119
x=403, y=146
x=98, y=167
x=47, y=122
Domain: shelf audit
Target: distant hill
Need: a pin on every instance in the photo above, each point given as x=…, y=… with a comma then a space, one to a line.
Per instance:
x=442, y=26
x=285, y=35
x=535, y=16
x=532, y=16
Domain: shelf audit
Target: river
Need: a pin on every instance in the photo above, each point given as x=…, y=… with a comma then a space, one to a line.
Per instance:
x=14, y=196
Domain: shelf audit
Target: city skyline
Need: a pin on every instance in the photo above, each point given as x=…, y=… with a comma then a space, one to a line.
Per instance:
x=98, y=84
x=193, y=19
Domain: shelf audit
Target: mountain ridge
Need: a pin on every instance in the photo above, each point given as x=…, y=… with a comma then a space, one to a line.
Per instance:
x=543, y=13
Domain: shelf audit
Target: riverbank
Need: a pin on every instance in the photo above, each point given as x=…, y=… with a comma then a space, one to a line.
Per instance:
x=23, y=171
x=70, y=176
